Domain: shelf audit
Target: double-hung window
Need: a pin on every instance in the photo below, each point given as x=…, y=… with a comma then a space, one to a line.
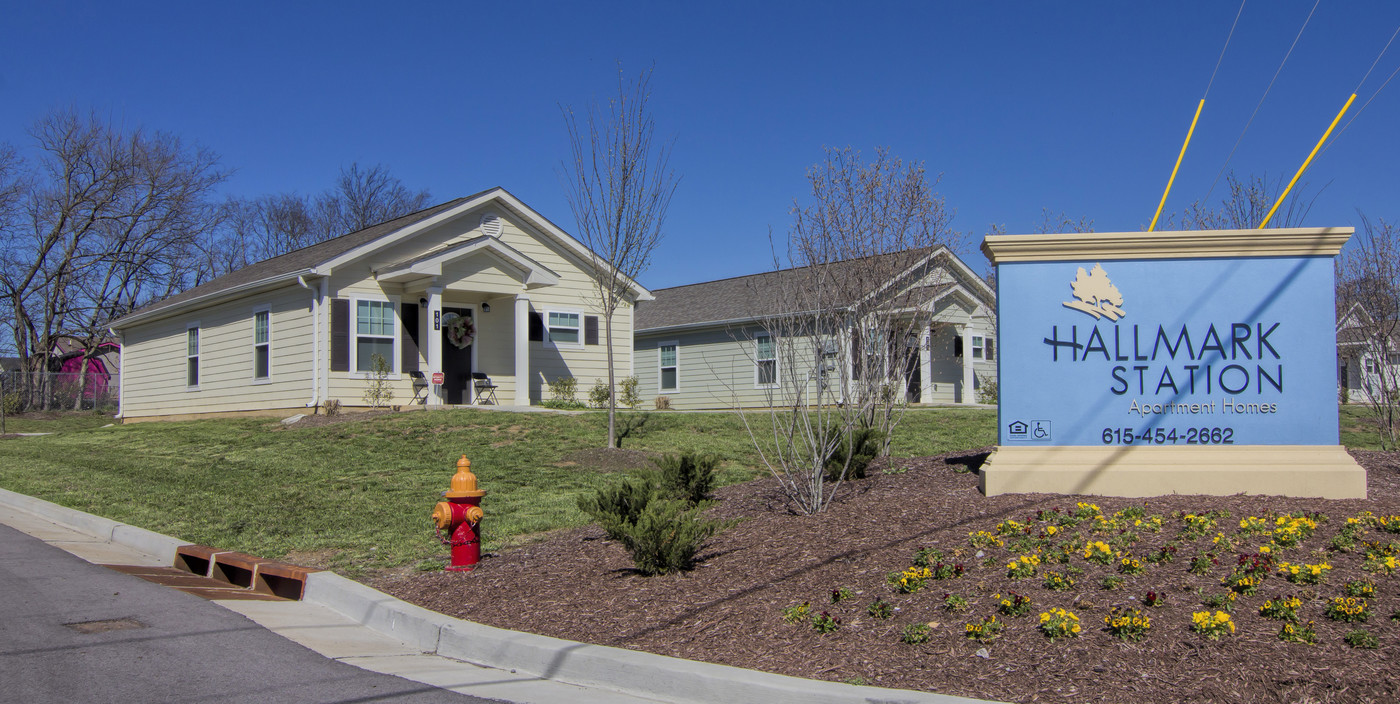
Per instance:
x=669, y=367
x=192, y=356
x=765, y=361
x=976, y=346
x=564, y=328
x=374, y=334
x=262, y=344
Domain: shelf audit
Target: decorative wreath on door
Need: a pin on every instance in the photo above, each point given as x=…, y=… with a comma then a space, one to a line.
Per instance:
x=460, y=331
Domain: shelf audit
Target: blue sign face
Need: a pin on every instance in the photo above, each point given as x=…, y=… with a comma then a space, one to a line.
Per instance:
x=1172, y=352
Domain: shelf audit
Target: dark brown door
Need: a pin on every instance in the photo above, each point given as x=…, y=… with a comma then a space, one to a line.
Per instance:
x=456, y=362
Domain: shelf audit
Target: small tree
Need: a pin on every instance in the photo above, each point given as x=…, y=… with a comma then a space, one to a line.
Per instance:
x=1369, y=286
x=619, y=188
x=862, y=275
x=378, y=391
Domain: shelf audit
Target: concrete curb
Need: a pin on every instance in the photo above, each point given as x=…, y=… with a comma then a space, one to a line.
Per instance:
x=595, y=666
x=162, y=547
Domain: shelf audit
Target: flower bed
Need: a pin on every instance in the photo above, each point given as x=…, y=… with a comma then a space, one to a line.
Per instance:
x=1140, y=641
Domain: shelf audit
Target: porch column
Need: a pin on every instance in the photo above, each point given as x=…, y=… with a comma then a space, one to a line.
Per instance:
x=522, y=350
x=434, y=343
x=926, y=365
x=968, y=394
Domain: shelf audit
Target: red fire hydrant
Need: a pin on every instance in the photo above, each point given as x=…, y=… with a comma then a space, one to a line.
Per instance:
x=460, y=516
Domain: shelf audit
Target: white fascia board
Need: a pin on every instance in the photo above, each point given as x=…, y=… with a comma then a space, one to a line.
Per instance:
x=531, y=272
x=198, y=301
x=544, y=225
x=407, y=231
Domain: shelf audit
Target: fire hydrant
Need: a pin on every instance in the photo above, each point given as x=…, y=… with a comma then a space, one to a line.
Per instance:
x=460, y=516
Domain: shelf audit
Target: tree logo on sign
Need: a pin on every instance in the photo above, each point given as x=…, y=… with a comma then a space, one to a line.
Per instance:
x=1097, y=295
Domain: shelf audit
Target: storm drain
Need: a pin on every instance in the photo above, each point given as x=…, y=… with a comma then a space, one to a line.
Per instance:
x=105, y=625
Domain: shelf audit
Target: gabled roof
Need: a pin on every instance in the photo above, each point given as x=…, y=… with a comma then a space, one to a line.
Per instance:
x=319, y=259
x=747, y=298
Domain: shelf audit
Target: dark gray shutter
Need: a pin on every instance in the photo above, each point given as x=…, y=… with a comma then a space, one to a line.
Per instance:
x=536, y=327
x=408, y=353
x=991, y=351
x=590, y=329
x=340, y=335
x=857, y=354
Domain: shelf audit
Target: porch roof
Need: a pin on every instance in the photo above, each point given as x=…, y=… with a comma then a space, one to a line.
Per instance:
x=429, y=264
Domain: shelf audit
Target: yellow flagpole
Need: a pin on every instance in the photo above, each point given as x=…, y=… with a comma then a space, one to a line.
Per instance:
x=1307, y=161
x=1179, y=157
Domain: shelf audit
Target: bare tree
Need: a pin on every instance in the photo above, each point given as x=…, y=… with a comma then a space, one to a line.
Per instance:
x=271, y=225
x=1244, y=207
x=109, y=220
x=840, y=325
x=620, y=185
x=1369, y=285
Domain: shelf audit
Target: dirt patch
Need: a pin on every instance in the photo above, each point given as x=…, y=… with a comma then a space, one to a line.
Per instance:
x=578, y=585
x=322, y=420
x=317, y=559
x=603, y=459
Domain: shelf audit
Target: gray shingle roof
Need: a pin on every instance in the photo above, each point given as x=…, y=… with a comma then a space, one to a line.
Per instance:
x=298, y=260
x=738, y=298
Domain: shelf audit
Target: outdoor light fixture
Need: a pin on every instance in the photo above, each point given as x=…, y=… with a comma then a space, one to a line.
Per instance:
x=911, y=341
x=486, y=307
x=423, y=302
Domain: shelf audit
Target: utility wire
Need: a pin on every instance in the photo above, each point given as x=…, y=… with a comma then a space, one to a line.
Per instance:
x=1364, y=105
x=1261, y=100
x=1228, y=37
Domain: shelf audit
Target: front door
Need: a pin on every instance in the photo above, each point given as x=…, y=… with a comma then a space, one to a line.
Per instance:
x=457, y=355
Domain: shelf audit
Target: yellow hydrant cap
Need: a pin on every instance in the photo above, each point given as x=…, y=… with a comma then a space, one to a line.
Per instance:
x=464, y=482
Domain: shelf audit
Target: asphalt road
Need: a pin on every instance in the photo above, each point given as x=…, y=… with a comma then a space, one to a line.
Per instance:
x=164, y=646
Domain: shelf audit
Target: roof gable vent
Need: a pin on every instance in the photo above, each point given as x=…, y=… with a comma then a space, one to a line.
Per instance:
x=491, y=225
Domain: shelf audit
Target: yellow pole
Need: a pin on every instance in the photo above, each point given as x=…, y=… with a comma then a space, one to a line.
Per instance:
x=1179, y=157
x=1307, y=161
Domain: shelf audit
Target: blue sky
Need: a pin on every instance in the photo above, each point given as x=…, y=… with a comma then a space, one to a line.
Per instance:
x=1078, y=107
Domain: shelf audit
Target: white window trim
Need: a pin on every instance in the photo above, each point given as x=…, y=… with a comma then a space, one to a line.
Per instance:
x=777, y=368
x=659, y=345
x=197, y=356
x=564, y=345
x=397, y=325
x=267, y=308
x=978, y=346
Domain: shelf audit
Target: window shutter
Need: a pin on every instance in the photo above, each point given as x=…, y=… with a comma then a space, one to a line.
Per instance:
x=991, y=350
x=340, y=335
x=590, y=329
x=857, y=354
x=408, y=337
x=536, y=327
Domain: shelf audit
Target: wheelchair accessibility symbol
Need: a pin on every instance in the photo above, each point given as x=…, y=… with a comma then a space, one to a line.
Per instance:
x=1034, y=430
x=1040, y=430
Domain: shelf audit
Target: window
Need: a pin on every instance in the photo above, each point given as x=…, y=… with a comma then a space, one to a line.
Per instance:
x=765, y=361
x=1370, y=366
x=192, y=356
x=976, y=346
x=564, y=328
x=669, y=379
x=374, y=334
x=1392, y=358
x=262, y=347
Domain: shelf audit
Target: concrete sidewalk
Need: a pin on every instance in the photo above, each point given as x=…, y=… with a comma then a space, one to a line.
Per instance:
x=356, y=625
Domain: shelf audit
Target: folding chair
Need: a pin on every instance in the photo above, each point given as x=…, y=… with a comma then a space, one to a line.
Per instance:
x=485, y=390
x=420, y=388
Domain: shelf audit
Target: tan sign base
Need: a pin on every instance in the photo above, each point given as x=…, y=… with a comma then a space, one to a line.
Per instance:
x=1324, y=471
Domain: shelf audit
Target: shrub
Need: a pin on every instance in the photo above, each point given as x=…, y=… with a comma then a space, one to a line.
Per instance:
x=615, y=507
x=986, y=389
x=331, y=407
x=627, y=392
x=663, y=403
x=688, y=476
x=563, y=388
x=10, y=403
x=667, y=536
x=859, y=446
x=598, y=395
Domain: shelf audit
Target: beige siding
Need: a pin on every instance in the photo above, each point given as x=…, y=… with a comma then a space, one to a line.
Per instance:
x=715, y=369
x=154, y=382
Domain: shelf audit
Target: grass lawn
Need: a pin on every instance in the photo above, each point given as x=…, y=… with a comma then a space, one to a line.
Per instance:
x=1358, y=427
x=55, y=422
x=356, y=495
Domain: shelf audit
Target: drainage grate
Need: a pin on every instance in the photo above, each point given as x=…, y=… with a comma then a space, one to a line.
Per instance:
x=110, y=624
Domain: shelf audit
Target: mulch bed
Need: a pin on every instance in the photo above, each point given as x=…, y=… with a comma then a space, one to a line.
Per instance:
x=578, y=585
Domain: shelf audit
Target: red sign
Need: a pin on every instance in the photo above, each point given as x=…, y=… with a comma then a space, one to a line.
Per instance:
x=438, y=378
